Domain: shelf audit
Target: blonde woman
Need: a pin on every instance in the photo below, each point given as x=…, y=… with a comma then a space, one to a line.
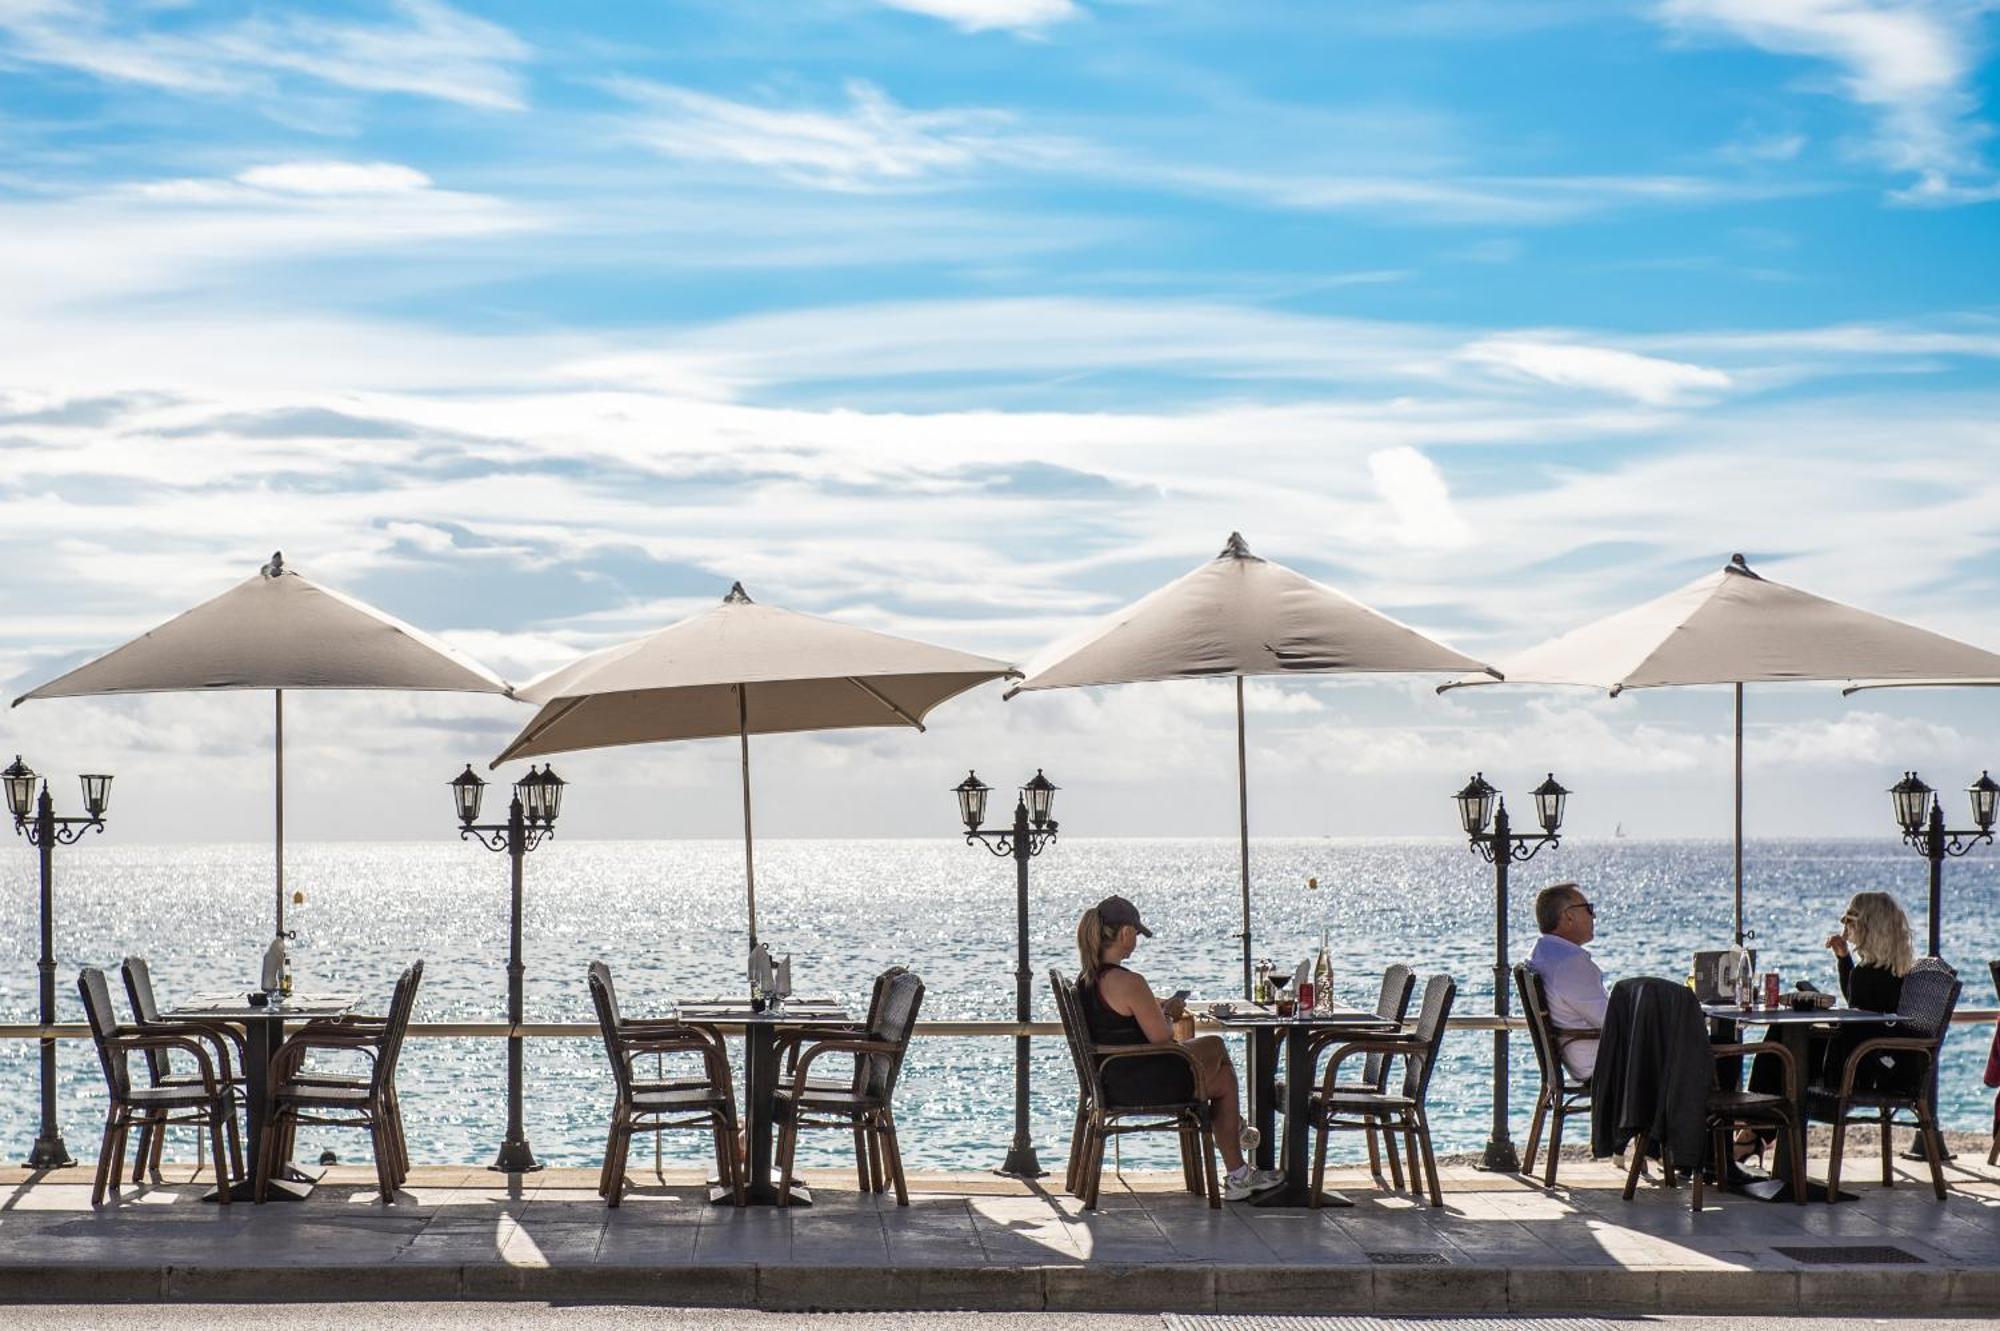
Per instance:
x=1121, y=1009
x=1874, y=953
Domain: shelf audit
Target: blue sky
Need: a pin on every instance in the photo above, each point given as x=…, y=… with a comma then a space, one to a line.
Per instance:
x=973, y=319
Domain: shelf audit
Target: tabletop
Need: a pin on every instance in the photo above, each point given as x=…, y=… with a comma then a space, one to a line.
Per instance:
x=1250, y=1014
x=1785, y=1016
x=736, y=1012
x=236, y=1007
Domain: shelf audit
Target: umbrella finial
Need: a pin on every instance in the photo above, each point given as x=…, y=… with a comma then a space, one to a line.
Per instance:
x=737, y=596
x=1739, y=565
x=1235, y=547
x=276, y=567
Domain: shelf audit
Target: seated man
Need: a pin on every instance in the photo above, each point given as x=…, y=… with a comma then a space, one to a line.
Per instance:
x=1574, y=985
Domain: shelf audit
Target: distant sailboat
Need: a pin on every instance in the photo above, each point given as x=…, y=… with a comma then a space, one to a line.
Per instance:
x=1618, y=831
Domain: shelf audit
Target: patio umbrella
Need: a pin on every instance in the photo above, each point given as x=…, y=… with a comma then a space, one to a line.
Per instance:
x=1736, y=627
x=743, y=669
x=1239, y=615
x=278, y=630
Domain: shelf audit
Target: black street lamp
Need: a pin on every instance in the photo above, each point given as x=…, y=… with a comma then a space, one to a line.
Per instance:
x=531, y=817
x=1033, y=829
x=1922, y=819
x=35, y=818
x=1502, y=846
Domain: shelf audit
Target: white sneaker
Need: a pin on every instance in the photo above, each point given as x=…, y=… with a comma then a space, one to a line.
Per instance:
x=1242, y=1187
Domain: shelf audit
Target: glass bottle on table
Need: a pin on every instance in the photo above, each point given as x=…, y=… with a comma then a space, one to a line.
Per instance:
x=1323, y=978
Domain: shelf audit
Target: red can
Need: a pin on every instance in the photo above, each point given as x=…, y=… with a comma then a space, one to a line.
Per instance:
x=1306, y=996
x=1770, y=988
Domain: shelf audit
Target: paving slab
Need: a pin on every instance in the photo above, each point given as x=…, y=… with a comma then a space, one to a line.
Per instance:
x=1500, y=1245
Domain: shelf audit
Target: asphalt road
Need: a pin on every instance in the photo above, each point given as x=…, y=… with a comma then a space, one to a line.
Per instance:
x=546, y=1317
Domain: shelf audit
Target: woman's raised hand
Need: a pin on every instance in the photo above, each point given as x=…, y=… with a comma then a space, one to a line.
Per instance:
x=1838, y=942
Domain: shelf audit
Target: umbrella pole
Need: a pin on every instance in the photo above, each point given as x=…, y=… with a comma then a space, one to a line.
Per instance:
x=279, y=734
x=1243, y=831
x=749, y=855
x=1739, y=814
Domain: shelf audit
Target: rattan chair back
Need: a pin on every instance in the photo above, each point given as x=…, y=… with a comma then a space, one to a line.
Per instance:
x=1420, y=1062
x=901, y=999
x=95, y=991
x=1399, y=982
x=138, y=977
x=1541, y=1028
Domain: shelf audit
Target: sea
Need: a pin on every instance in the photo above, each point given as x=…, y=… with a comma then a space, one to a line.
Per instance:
x=669, y=919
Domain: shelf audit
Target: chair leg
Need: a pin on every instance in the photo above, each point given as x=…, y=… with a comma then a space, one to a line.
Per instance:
x=235, y=1137
x=1888, y=1149
x=1081, y=1127
x=385, y=1166
x=788, y=1142
x=1413, y=1159
x=1933, y=1145
x=1389, y=1149
x=1535, y=1132
x=1210, y=1184
x=1093, y=1166
x=1556, y=1117
x=1423, y=1139
x=1190, y=1167
x=878, y=1174
x=861, y=1156
x=604, y=1170
x=895, y=1157
x=104, y=1154
x=1798, y=1134
x=217, y=1116
x=1374, y=1154
x=1320, y=1133
x=1833, y=1155
x=614, y=1161
x=1638, y=1150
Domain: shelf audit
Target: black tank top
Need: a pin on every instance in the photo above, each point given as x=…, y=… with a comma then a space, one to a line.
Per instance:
x=1107, y=1025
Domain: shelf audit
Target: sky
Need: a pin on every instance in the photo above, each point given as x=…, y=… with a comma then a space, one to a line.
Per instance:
x=974, y=320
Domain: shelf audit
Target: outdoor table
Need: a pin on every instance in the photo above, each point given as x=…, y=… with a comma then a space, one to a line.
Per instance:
x=1263, y=1026
x=760, y=1077
x=264, y=1031
x=1794, y=1030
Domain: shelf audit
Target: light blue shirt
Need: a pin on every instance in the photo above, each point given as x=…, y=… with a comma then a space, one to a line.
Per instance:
x=1575, y=989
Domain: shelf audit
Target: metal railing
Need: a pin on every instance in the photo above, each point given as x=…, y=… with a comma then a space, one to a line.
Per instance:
x=576, y=1030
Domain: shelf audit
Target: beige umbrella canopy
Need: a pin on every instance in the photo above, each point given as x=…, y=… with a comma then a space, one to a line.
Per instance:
x=743, y=669
x=1736, y=627
x=1239, y=615
x=279, y=630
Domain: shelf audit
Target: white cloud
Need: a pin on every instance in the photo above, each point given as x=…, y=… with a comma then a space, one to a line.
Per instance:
x=1416, y=493
x=425, y=48
x=1908, y=61
x=335, y=178
x=985, y=15
x=872, y=144
x=1648, y=379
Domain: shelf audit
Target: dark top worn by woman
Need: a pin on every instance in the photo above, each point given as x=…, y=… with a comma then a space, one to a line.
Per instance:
x=1161, y=1080
x=1871, y=989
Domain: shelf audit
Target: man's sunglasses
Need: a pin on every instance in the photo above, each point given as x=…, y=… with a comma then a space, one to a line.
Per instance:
x=1583, y=906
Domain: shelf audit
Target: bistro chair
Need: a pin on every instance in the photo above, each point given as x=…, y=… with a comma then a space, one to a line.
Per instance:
x=1923, y=1019
x=1331, y=1109
x=204, y=1100
x=706, y=1101
x=867, y=1149
x=1099, y=1119
x=221, y=1038
x=1560, y=1096
x=301, y=1096
x=1725, y=1108
x=864, y=1103
x=1392, y=1005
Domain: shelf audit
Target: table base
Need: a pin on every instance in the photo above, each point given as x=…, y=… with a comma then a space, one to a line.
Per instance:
x=292, y=1182
x=765, y=1194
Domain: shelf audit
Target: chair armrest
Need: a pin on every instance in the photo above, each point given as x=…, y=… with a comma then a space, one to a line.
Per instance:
x=137, y=1040
x=1393, y=1044
x=1784, y=1056
x=219, y=1037
x=1106, y=1053
x=1881, y=1044
x=811, y=1054
x=292, y=1052
x=1570, y=1034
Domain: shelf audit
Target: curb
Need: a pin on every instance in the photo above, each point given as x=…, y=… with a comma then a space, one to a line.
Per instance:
x=1106, y=1287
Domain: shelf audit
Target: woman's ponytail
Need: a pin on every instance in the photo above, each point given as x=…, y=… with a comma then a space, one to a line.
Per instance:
x=1091, y=940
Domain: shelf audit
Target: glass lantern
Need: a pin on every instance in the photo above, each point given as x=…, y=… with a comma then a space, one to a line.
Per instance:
x=20, y=779
x=466, y=791
x=1475, y=804
x=971, y=794
x=1912, y=798
x=96, y=793
x=1040, y=793
x=1549, y=800
x=1985, y=793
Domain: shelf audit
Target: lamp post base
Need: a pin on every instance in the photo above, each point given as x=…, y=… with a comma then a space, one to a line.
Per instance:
x=50, y=1153
x=515, y=1158
x=1500, y=1157
x=1022, y=1163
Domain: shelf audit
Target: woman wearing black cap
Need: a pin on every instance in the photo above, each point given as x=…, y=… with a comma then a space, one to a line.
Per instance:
x=1121, y=1009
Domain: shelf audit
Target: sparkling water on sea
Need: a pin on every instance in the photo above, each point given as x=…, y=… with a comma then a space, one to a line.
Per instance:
x=668, y=917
